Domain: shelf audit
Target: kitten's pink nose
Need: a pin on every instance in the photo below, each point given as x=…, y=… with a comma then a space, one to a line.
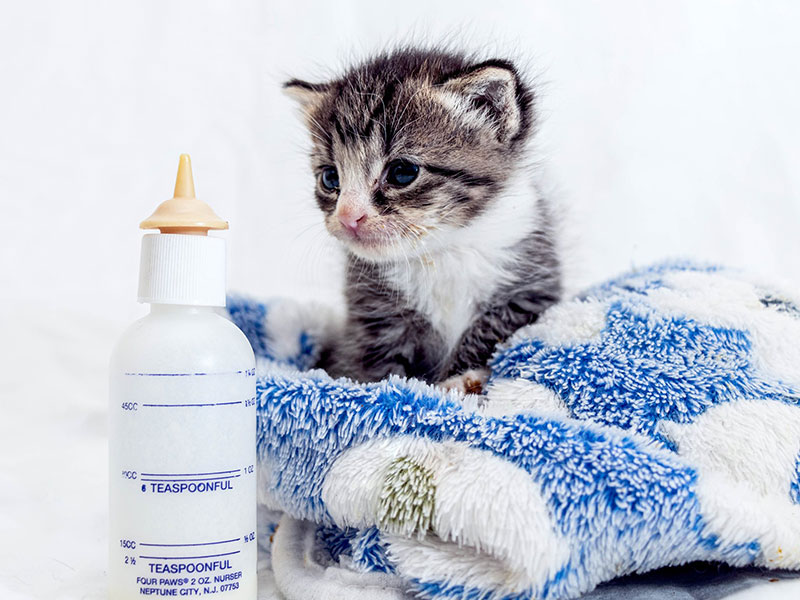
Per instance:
x=352, y=219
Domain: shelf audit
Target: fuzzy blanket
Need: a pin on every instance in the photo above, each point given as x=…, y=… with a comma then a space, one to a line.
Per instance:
x=651, y=421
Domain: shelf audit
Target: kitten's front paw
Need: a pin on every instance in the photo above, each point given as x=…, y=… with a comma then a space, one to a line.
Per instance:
x=469, y=382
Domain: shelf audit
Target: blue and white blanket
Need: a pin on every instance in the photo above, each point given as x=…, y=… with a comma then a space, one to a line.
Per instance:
x=651, y=421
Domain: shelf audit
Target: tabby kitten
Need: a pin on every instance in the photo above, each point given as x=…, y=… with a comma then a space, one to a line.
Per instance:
x=420, y=165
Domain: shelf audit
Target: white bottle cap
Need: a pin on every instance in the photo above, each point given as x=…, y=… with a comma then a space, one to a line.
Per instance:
x=182, y=269
x=182, y=265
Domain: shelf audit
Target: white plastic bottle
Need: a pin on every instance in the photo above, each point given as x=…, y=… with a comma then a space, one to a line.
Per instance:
x=182, y=423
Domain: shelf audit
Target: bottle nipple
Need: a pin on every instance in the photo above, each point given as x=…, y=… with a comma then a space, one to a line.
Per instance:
x=184, y=213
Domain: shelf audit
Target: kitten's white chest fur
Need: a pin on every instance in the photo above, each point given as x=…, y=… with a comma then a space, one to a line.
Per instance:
x=448, y=284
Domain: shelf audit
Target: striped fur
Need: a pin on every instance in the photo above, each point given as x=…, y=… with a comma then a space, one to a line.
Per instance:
x=442, y=269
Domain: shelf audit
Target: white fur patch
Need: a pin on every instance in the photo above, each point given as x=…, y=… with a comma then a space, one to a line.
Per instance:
x=745, y=453
x=514, y=396
x=434, y=560
x=565, y=324
x=466, y=265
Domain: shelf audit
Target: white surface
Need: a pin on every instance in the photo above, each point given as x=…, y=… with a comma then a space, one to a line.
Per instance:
x=670, y=128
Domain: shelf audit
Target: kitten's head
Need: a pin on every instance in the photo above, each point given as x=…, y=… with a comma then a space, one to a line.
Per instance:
x=411, y=145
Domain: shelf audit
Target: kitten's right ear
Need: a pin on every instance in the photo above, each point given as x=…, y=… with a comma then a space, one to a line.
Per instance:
x=307, y=95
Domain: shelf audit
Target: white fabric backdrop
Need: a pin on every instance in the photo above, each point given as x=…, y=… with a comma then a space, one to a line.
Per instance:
x=670, y=128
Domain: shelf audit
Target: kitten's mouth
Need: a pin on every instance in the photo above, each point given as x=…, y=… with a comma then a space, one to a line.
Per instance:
x=365, y=238
x=380, y=241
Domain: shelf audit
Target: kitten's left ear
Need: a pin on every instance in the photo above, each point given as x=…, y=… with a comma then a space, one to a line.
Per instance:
x=307, y=95
x=492, y=91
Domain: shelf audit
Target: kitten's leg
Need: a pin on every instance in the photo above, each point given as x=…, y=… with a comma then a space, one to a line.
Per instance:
x=390, y=344
x=383, y=336
x=469, y=382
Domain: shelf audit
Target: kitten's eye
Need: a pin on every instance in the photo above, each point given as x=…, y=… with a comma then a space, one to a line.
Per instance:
x=329, y=178
x=401, y=172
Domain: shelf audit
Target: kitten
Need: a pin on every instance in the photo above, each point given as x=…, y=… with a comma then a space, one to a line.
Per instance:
x=420, y=165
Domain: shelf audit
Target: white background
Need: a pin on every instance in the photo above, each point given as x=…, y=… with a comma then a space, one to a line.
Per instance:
x=669, y=128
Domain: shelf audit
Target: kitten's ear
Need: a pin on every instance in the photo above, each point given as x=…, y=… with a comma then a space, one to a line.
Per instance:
x=307, y=95
x=492, y=91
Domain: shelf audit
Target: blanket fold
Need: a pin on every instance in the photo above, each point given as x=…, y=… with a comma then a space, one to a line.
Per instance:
x=651, y=421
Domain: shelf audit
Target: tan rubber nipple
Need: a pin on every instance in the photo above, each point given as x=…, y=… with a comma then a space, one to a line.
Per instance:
x=183, y=213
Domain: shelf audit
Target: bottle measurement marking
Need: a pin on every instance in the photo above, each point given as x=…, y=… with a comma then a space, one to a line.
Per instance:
x=188, y=474
x=186, y=477
x=247, y=372
x=198, y=544
x=199, y=374
x=188, y=405
x=188, y=557
x=201, y=479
